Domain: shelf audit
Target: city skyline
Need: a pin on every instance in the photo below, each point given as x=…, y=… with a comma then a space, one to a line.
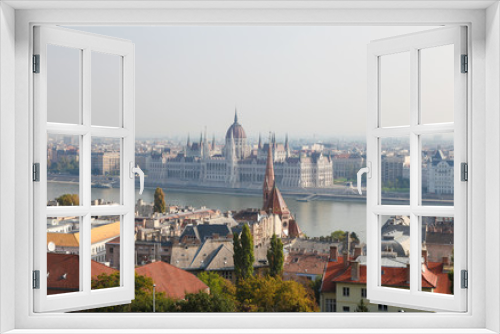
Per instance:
x=281, y=79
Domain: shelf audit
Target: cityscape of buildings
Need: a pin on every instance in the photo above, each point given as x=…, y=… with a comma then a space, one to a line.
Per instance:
x=185, y=241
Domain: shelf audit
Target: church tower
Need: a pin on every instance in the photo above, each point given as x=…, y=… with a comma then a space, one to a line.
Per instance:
x=268, y=177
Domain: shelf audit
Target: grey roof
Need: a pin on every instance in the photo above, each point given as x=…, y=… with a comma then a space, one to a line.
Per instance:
x=393, y=262
x=206, y=231
x=439, y=238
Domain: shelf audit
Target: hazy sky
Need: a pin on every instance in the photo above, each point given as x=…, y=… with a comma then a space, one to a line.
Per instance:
x=299, y=80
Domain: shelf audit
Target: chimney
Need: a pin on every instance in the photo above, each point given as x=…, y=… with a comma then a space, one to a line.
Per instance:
x=357, y=252
x=425, y=255
x=346, y=260
x=334, y=253
x=446, y=260
x=355, y=270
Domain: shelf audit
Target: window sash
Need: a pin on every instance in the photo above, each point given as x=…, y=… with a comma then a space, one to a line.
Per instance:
x=86, y=297
x=413, y=298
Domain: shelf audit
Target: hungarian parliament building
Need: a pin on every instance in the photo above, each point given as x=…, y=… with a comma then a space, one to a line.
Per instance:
x=238, y=165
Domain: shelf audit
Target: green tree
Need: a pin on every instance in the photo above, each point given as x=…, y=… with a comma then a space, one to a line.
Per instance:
x=143, y=301
x=203, y=302
x=218, y=285
x=272, y=294
x=275, y=257
x=315, y=285
x=338, y=235
x=68, y=200
x=361, y=306
x=243, y=254
x=159, y=203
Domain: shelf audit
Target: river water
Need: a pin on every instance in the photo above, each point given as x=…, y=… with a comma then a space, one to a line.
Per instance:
x=316, y=218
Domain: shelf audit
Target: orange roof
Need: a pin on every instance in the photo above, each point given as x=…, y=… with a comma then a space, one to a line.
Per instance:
x=173, y=281
x=432, y=276
x=64, y=239
x=64, y=272
x=98, y=234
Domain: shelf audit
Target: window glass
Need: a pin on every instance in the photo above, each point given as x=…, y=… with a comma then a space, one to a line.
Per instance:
x=395, y=252
x=395, y=89
x=105, y=251
x=438, y=169
x=63, y=84
x=105, y=169
x=395, y=170
x=63, y=170
x=106, y=89
x=63, y=255
x=437, y=82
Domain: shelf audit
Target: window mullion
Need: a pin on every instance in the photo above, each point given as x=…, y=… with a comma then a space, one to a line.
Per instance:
x=414, y=171
x=85, y=175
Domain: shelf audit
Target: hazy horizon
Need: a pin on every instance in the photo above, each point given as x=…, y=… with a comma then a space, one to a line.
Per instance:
x=307, y=82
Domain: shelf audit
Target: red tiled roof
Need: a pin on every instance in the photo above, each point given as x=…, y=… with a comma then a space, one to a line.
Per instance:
x=312, y=264
x=64, y=272
x=173, y=281
x=432, y=276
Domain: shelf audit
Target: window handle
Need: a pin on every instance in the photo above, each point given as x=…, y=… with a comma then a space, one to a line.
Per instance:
x=368, y=171
x=137, y=170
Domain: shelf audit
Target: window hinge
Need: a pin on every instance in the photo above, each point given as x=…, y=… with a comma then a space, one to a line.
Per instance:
x=36, y=279
x=464, y=168
x=465, y=279
x=36, y=63
x=465, y=64
x=36, y=172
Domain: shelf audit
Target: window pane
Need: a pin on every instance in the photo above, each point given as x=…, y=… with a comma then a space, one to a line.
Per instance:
x=105, y=171
x=437, y=254
x=395, y=170
x=105, y=252
x=437, y=82
x=395, y=252
x=437, y=169
x=106, y=89
x=63, y=259
x=395, y=89
x=63, y=170
x=63, y=84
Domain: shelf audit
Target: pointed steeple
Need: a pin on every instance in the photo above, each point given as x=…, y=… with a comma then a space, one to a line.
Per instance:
x=213, y=142
x=188, y=144
x=235, y=115
x=260, y=142
x=201, y=138
x=269, y=182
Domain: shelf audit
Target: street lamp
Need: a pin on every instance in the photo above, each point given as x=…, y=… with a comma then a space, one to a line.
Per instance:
x=154, y=298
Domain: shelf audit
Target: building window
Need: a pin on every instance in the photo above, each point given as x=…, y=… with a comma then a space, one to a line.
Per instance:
x=382, y=308
x=330, y=305
x=363, y=293
x=346, y=309
x=345, y=292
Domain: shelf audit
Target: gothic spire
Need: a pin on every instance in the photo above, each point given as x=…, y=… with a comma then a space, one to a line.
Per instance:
x=201, y=138
x=269, y=177
x=213, y=142
x=235, y=116
x=188, y=144
x=260, y=142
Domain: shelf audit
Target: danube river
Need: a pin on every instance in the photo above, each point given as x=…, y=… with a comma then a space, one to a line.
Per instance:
x=316, y=218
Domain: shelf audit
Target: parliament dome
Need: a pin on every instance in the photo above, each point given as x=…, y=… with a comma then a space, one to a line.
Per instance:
x=236, y=129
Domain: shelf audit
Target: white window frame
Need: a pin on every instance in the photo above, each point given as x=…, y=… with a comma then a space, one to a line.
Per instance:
x=483, y=19
x=87, y=43
x=413, y=44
